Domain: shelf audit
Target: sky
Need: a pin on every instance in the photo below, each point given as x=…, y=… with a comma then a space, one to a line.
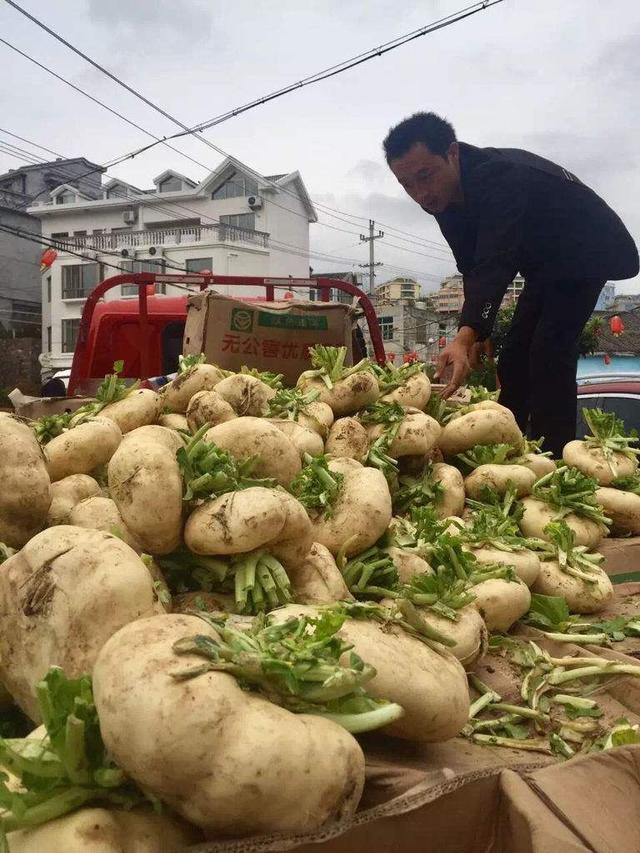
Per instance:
x=559, y=79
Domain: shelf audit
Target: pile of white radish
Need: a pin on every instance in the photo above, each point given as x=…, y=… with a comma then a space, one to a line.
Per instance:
x=215, y=588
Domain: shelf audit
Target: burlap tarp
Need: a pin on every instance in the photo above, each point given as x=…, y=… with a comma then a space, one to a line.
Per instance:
x=460, y=797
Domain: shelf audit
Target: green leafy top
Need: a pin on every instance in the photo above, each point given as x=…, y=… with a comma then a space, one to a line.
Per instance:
x=627, y=484
x=370, y=574
x=68, y=768
x=51, y=426
x=608, y=434
x=487, y=454
x=534, y=445
x=291, y=402
x=391, y=377
x=186, y=362
x=478, y=393
x=384, y=413
x=572, y=559
x=417, y=491
x=208, y=471
x=550, y=613
x=316, y=487
x=569, y=490
x=273, y=380
x=439, y=409
x=302, y=664
x=441, y=592
x=328, y=365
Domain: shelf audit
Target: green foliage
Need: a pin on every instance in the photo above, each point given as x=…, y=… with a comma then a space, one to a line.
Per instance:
x=316, y=487
x=290, y=403
x=569, y=490
x=273, y=380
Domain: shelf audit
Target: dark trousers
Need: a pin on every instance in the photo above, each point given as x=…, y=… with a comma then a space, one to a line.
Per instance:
x=538, y=362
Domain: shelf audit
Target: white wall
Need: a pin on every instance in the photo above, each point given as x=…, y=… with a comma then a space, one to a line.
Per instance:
x=285, y=221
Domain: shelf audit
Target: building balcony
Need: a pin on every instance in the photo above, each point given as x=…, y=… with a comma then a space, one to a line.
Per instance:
x=189, y=235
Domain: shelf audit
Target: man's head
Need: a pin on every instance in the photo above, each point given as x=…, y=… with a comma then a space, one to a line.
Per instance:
x=422, y=152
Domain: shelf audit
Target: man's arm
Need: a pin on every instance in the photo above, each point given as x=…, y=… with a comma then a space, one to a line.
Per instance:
x=497, y=197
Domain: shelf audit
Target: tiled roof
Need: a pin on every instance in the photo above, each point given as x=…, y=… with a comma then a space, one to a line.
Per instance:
x=628, y=341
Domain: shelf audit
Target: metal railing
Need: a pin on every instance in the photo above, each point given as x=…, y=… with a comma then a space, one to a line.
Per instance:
x=165, y=237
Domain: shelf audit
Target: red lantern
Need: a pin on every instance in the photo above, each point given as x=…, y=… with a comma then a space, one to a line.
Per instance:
x=606, y=358
x=289, y=294
x=409, y=357
x=391, y=356
x=442, y=342
x=47, y=258
x=616, y=325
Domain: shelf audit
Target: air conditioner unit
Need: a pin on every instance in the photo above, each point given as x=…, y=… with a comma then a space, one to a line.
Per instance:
x=254, y=202
x=153, y=250
x=124, y=253
x=130, y=216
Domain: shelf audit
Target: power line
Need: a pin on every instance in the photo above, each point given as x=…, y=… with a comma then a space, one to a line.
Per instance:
x=326, y=73
x=29, y=142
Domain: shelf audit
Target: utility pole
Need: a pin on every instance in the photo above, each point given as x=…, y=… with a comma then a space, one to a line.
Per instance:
x=372, y=264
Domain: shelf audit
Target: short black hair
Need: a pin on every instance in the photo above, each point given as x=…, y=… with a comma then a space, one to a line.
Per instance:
x=435, y=132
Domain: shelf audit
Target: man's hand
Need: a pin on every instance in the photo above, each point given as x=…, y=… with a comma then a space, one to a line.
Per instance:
x=455, y=358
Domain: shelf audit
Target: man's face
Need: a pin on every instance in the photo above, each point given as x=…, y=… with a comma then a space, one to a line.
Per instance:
x=431, y=180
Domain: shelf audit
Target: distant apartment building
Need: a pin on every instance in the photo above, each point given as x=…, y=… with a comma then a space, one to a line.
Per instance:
x=607, y=297
x=233, y=222
x=336, y=294
x=398, y=288
x=450, y=297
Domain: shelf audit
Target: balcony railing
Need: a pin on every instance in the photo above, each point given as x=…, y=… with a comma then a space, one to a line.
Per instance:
x=165, y=237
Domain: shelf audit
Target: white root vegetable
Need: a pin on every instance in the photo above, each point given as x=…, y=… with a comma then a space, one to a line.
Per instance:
x=417, y=434
x=525, y=563
x=146, y=484
x=361, y=512
x=408, y=563
x=414, y=392
x=537, y=514
x=348, y=438
x=25, y=497
x=593, y=462
x=469, y=633
x=82, y=449
x=68, y=492
x=208, y=407
x=304, y=439
x=100, y=513
x=139, y=408
x=173, y=420
x=484, y=425
x=247, y=437
x=317, y=416
x=581, y=596
x=623, y=508
x=539, y=464
x=501, y=602
x=431, y=687
x=247, y=395
x=499, y=478
x=175, y=395
x=317, y=579
x=451, y=500
x=248, y=766
x=244, y=521
x=346, y=396
x=109, y=830
x=61, y=597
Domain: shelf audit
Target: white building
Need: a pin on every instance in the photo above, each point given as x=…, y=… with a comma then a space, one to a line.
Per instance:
x=232, y=223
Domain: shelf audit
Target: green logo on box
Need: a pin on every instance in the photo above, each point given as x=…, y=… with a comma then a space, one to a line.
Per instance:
x=317, y=322
x=241, y=320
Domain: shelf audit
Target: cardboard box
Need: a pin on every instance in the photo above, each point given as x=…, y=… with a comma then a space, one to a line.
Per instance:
x=273, y=336
x=37, y=407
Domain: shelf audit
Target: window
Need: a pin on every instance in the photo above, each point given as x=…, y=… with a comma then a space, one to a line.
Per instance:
x=143, y=265
x=240, y=220
x=65, y=197
x=199, y=264
x=97, y=232
x=78, y=280
x=48, y=338
x=48, y=288
x=236, y=186
x=69, y=334
x=170, y=185
x=79, y=233
x=117, y=191
x=59, y=237
x=386, y=328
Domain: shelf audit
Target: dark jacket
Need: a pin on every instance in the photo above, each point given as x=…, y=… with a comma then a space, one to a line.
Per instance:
x=525, y=214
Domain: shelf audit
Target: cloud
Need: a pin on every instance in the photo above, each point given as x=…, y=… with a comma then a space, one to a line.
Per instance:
x=620, y=61
x=163, y=23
